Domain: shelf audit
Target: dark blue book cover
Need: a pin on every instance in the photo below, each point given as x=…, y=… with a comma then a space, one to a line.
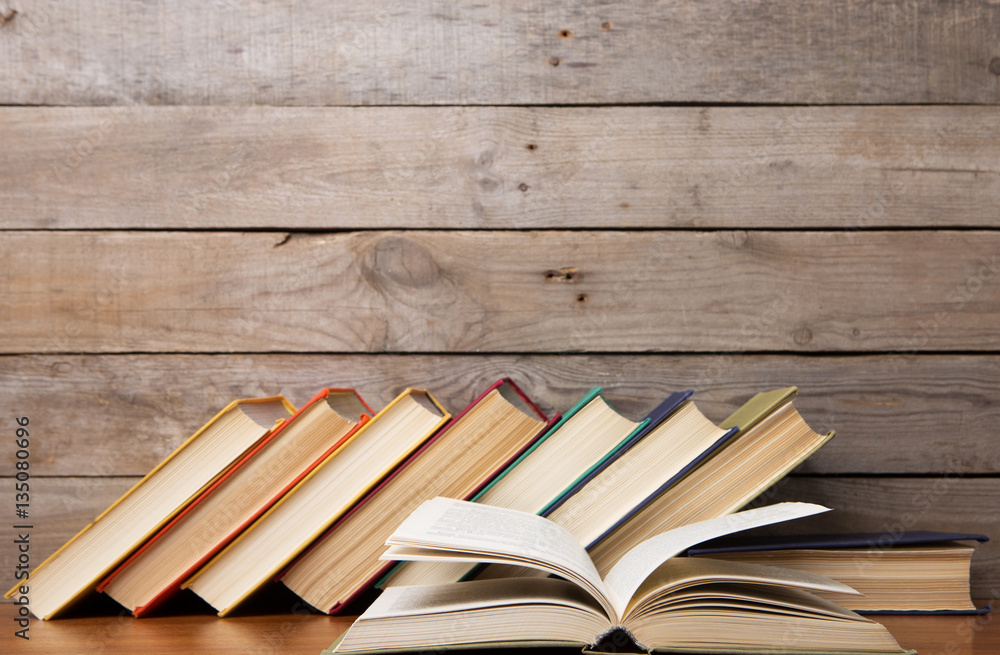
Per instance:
x=655, y=417
x=873, y=540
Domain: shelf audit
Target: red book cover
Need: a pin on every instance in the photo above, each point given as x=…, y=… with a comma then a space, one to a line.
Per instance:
x=549, y=422
x=175, y=586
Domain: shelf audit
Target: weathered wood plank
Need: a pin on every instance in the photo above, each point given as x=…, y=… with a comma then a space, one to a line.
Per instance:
x=539, y=292
x=520, y=52
x=121, y=414
x=488, y=167
x=62, y=506
x=890, y=505
x=278, y=625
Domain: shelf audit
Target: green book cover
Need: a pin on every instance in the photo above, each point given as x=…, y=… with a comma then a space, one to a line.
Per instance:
x=580, y=404
x=758, y=407
x=608, y=455
x=572, y=411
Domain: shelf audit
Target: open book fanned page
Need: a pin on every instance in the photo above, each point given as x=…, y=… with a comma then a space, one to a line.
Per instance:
x=662, y=602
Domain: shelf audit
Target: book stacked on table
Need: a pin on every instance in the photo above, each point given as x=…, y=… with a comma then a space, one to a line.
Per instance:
x=322, y=428
x=75, y=570
x=916, y=572
x=265, y=495
x=648, y=601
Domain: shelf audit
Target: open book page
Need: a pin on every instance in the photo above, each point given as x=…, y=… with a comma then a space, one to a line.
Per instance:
x=501, y=535
x=433, y=617
x=481, y=594
x=631, y=571
x=760, y=598
x=683, y=576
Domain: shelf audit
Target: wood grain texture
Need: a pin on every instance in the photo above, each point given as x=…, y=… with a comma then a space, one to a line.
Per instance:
x=514, y=52
x=499, y=291
x=489, y=167
x=286, y=630
x=950, y=503
x=118, y=344
x=62, y=506
x=970, y=635
x=121, y=414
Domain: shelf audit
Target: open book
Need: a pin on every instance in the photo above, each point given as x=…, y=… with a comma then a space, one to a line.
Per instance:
x=650, y=598
x=911, y=572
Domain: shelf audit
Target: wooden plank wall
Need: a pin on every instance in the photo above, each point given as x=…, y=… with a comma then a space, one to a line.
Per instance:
x=203, y=201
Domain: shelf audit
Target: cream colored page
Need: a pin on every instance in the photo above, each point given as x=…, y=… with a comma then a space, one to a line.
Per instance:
x=631, y=571
x=448, y=557
x=682, y=572
x=501, y=535
x=471, y=612
x=480, y=594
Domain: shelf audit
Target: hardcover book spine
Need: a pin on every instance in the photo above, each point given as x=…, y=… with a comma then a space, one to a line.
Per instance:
x=693, y=464
x=660, y=413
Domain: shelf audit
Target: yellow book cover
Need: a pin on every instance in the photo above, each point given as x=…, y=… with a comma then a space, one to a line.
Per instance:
x=133, y=491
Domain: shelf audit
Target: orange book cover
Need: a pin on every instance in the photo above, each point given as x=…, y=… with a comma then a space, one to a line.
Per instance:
x=358, y=434
x=175, y=586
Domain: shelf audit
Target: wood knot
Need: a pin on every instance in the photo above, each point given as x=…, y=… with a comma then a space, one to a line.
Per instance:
x=568, y=274
x=8, y=18
x=531, y=146
x=489, y=184
x=486, y=158
x=554, y=61
x=396, y=261
x=606, y=25
x=735, y=239
x=565, y=34
x=522, y=187
x=802, y=336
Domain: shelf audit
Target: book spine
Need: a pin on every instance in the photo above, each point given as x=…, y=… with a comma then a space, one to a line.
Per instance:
x=663, y=411
x=669, y=483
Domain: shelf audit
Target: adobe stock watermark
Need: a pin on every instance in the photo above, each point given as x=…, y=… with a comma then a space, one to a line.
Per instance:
x=958, y=298
x=969, y=627
x=900, y=14
x=754, y=332
x=89, y=308
x=277, y=639
x=239, y=162
x=874, y=211
x=893, y=531
x=21, y=526
x=364, y=36
x=77, y=151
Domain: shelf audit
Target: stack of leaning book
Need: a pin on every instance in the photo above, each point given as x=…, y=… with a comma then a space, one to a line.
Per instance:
x=265, y=494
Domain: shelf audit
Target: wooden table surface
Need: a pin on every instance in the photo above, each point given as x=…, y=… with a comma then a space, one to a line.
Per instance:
x=311, y=633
